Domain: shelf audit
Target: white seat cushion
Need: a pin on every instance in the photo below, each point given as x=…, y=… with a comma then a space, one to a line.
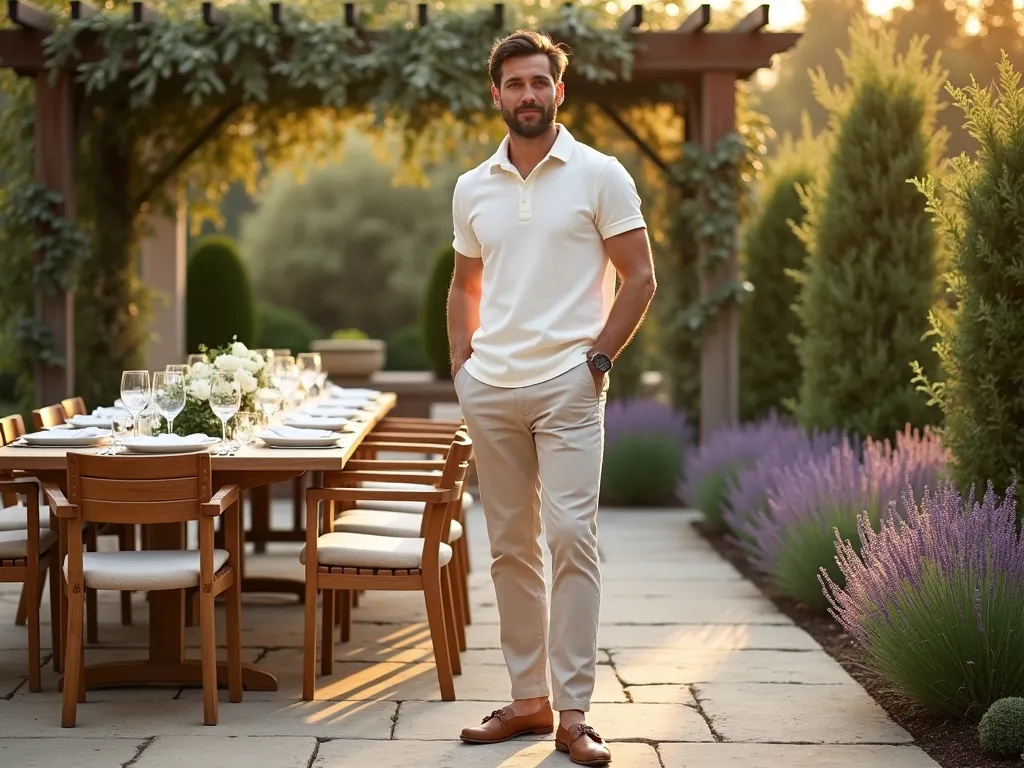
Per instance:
x=14, y=544
x=412, y=507
x=363, y=550
x=380, y=522
x=16, y=516
x=145, y=570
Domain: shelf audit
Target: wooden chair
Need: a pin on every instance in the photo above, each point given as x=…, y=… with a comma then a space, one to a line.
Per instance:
x=25, y=556
x=352, y=561
x=48, y=416
x=73, y=406
x=150, y=490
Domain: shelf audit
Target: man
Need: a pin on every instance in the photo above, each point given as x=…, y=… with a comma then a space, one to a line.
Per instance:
x=534, y=323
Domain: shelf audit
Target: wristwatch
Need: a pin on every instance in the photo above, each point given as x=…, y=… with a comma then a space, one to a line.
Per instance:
x=599, y=361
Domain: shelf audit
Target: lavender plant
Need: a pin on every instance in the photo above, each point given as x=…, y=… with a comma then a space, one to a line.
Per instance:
x=747, y=495
x=645, y=442
x=714, y=465
x=936, y=598
x=811, y=501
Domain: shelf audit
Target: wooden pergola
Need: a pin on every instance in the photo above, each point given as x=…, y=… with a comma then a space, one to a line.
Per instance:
x=707, y=63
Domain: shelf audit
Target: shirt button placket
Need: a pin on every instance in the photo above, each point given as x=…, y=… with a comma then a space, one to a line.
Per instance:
x=525, y=211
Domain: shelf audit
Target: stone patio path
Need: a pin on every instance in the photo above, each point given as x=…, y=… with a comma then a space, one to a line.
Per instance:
x=696, y=670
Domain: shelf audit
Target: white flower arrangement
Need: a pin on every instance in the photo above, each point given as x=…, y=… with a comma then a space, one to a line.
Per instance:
x=250, y=371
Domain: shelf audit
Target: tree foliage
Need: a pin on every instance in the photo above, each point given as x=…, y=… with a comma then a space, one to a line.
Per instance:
x=872, y=272
x=769, y=368
x=981, y=210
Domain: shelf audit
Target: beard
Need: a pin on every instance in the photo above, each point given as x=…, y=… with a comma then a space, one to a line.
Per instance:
x=532, y=125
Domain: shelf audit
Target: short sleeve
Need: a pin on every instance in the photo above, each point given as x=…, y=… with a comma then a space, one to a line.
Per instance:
x=618, y=203
x=465, y=241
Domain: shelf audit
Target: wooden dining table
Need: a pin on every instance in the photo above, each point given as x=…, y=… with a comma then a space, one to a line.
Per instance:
x=252, y=466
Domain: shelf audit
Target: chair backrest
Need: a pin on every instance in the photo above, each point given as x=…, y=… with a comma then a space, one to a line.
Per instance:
x=437, y=517
x=73, y=406
x=50, y=416
x=11, y=428
x=139, y=489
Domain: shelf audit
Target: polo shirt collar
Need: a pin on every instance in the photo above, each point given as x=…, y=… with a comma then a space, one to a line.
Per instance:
x=561, y=150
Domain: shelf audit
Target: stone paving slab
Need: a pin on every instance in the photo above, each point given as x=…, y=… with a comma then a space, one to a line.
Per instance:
x=446, y=754
x=792, y=756
x=661, y=694
x=227, y=752
x=808, y=714
x=69, y=753
x=704, y=637
x=639, y=667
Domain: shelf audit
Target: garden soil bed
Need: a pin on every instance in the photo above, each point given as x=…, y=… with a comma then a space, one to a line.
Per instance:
x=952, y=743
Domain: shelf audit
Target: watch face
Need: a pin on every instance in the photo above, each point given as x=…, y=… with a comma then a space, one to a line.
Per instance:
x=601, y=363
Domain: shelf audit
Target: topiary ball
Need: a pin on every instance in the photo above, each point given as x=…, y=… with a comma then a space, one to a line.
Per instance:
x=1002, y=728
x=641, y=470
x=434, y=313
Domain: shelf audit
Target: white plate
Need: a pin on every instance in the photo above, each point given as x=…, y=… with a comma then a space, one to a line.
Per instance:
x=142, y=446
x=332, y=411
x=67, y=438
x=84, y=422
x=276, y=441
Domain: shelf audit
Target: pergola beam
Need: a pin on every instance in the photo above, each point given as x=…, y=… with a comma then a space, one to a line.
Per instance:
x=633, y=18
x=662, y=56
x=754, y=21
x=697, y=21
x=82, y=10
x=499, y=16
x=29, y=16
x=143, y=14
x=352, y=15
x=214, y=16
x=422, y=15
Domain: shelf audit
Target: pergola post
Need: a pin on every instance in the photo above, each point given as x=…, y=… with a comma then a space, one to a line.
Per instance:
x=711, y=115
x=55, y=169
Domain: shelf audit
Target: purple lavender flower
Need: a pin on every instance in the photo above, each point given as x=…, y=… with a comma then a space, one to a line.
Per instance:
x=646, y=417
x=936, y=598
x=748, y=493
x=810, y=501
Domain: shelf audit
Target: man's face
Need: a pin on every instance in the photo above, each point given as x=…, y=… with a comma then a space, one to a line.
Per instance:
x=529, y=96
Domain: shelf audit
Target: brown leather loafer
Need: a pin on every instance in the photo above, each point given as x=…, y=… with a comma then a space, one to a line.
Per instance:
x=503, y=724
x=583, y=744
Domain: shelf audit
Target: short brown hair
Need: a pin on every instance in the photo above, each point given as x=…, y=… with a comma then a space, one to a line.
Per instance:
x=524, y=43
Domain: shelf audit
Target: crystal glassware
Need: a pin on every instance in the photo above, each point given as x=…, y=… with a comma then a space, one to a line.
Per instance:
x=184, y=370
x=193, y=359
x=244, y=427
x=269, y=400
x=225, y=399
x=169, y=395
x=284, y=374
x=120, y=425
x=135, y=394
x=308, y=364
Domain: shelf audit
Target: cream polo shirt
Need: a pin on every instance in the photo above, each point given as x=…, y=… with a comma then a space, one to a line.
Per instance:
x=548, y=284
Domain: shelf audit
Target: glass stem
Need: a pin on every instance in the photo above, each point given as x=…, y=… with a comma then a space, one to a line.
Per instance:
x=170, y=426
x=224, y=431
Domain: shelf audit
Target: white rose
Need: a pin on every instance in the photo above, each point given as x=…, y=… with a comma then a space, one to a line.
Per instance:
x=200, y=389
x=246, y=381
x=252, y=364
x=228, y=363
x=238, y=349
x=201, y=371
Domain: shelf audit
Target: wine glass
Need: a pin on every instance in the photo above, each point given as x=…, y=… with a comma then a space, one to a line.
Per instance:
x=308, y=364
x=193, y=359
x=266, y=354
x=169, y=395
x=184, y=370
x=285, y=375
x=269, y=400
x=120, y=425
x=225, y=399
x=135, y=394
x=244, y=426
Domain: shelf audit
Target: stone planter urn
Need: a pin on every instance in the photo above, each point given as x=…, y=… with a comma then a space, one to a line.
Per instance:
x=350, y=358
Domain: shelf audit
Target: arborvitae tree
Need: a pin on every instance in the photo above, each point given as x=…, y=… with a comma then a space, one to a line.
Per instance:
x=769, y=369
x=872, y=269
x=982, y=336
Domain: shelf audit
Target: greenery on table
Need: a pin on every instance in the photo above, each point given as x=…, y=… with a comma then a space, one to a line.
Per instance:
x=872, y=269
x=981, y=333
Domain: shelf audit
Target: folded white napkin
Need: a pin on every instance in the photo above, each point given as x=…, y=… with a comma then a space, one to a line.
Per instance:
x=354, y=393
x=307, y=422
x=64, y=434
x=94, y=420
x=330, y=409
x=107, y=412
x=295, y=433
x=197, y=438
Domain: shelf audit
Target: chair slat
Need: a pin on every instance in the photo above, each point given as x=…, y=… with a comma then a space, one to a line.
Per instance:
x=138, y=491
x=144, y=467
x=139, y=512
